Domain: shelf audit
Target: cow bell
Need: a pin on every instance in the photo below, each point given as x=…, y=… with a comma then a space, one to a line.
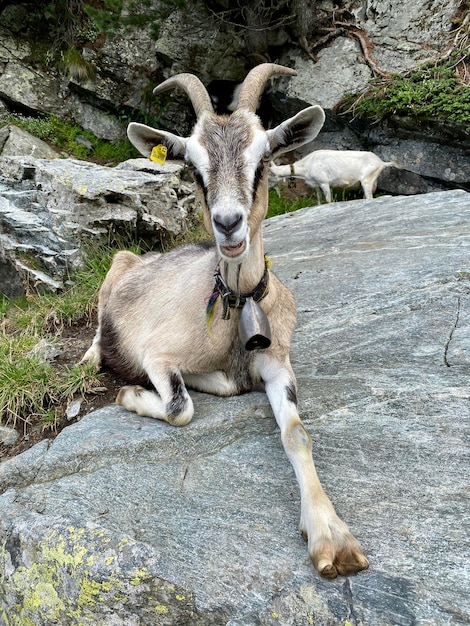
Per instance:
x=253, y=326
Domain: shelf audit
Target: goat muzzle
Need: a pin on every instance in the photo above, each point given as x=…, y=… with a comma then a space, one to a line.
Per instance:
x=253, y=327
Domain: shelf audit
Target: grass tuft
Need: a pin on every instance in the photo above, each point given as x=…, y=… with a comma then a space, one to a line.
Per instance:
x=278, y=205
x=33, y=388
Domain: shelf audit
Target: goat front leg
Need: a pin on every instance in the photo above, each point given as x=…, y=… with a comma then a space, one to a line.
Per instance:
x=170, y=402
x=332, y=548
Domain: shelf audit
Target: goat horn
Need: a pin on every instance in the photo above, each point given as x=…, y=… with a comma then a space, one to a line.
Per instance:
x=254, y=83
x=193, y=87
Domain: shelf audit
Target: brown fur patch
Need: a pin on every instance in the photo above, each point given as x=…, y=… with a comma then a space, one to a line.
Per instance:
x=112, y=357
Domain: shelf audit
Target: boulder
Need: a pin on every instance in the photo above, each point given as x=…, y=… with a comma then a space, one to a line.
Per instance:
x=124, y=520
x=48, y=208
x=15, y=141
x=318, y=83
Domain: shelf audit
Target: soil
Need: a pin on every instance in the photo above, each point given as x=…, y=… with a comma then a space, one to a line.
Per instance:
x=75, y=341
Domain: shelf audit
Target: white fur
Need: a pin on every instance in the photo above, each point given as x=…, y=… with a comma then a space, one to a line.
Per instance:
x=337, y=169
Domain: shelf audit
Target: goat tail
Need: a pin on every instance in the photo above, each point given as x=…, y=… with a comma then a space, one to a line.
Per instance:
x=393, y=163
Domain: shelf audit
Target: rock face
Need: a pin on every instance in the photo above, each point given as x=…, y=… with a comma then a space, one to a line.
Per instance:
x=125, y=520
x=400, y=37
x=200, y=38
x=48, y=208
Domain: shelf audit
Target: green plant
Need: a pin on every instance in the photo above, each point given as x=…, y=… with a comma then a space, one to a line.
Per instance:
x=105, y=19
x=279, y=205
x=26, y=389
x=109, y=17
x=433, y=92
x=80, y=379
x=33, y=389
x=73, y=139
x=76, y=67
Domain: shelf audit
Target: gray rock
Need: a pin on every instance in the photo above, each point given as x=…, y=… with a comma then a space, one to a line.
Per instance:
x=47, y=208
x=430, y=160
x=183, y=44
x=35, y=90
x=127, y=520
x=318, y=83
x=406, y=34
x=44, y=350
x=399, y=36
x=10, y=279
x=8, y=436
x=16, y=141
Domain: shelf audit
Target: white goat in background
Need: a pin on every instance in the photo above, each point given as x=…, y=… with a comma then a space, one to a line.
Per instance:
x=153, y=310
x=337, y=169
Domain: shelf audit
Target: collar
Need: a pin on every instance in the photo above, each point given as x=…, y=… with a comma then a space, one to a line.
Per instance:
x=234, y=299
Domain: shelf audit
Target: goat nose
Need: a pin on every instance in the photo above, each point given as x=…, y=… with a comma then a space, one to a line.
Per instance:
x=227, y=224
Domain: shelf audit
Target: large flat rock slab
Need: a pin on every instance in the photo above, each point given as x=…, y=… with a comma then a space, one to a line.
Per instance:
x=124, y=520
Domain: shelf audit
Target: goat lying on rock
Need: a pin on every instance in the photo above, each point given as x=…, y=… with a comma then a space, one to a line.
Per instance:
x=337, y=169
x=153, y=310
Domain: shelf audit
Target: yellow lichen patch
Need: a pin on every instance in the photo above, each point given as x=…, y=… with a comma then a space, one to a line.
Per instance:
x=140, y=576
x=89, y=589
x=43, y=589
x=38, y=584
x=66, y=550
x=74, y=573
x=124, y=541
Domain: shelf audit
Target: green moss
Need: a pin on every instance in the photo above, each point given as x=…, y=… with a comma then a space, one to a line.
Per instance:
x=73, y=139
x=434, y=92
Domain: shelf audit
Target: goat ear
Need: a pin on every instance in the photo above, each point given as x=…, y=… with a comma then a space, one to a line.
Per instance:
x=296, y=131
x=144, y=138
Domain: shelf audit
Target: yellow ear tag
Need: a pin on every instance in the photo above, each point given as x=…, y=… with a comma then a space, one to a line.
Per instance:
x=158, y=154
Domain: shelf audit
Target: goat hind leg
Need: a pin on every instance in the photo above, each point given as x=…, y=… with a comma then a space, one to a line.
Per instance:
x=170, y=402
x=217, y=383
x=331, y=546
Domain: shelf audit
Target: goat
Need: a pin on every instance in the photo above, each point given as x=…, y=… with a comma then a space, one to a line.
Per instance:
x=154, y=310
x=340, y=169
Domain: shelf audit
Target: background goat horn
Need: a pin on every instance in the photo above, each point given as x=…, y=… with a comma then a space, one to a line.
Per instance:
x=254, y=84
x=193, y=87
